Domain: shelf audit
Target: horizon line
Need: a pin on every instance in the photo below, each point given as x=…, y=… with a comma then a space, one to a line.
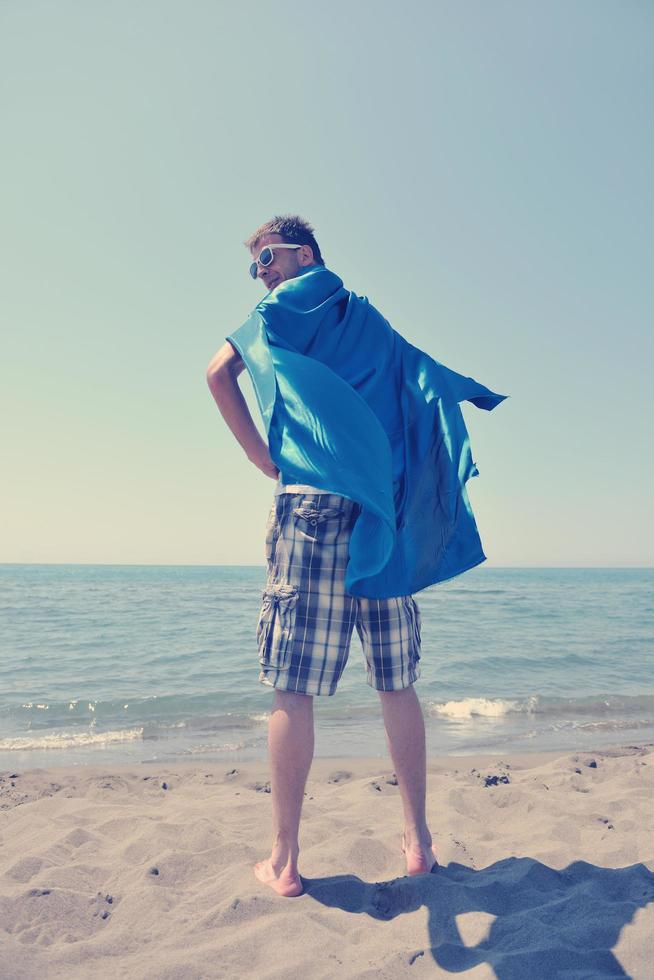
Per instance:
x=109, y=564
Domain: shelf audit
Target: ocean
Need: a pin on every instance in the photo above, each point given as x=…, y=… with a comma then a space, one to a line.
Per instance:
x=108, y=664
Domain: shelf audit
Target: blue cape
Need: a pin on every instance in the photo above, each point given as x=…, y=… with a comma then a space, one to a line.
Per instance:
x=351, y=407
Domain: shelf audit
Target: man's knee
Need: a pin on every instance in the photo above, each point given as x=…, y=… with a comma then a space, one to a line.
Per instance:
x=402, y=692
x=292, y=700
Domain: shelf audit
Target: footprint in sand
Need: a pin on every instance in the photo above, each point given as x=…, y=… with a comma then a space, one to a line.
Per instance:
x=25, y=869
x=339, y=777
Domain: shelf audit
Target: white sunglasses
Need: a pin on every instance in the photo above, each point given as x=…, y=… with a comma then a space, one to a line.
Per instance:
x=266, y=256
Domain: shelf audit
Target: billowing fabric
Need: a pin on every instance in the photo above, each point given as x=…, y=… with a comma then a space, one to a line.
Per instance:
x=351, y=406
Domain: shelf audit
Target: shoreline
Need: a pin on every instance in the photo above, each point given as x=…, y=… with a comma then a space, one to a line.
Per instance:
x=103, y=757
x=526, y=759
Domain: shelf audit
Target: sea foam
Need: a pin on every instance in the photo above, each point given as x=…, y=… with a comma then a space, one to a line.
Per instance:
x=69, y=740
x=468, y=707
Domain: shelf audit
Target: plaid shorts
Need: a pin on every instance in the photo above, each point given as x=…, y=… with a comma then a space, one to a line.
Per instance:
x=307, y=617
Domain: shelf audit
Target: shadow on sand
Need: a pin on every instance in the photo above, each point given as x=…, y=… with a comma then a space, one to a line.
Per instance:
x=547, y=923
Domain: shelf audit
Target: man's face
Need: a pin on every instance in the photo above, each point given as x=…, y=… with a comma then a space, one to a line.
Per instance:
x=287, y=263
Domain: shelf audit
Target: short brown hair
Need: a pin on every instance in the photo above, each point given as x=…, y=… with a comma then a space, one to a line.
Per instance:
x=293, y=229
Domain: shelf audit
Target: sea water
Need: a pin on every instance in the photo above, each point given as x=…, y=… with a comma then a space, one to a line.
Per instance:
x=122, y=663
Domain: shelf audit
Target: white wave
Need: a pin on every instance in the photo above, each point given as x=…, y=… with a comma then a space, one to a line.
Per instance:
x=470, y=707
x=70, y=740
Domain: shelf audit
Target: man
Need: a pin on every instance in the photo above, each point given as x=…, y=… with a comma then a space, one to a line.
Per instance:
x=368, y=444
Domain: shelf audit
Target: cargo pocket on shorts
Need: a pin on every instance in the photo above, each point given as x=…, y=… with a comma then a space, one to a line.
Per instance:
x=276, y=625
x=272, y=534
x=319, y=524
x=414, y=618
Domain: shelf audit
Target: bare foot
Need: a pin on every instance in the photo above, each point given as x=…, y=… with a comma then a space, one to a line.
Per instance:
x=285, y=883
x=420, y=859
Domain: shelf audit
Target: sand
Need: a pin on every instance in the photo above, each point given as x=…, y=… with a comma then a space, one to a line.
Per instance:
x=547, y=870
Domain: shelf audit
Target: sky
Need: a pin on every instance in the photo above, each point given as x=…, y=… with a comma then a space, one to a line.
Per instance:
x=482, y=172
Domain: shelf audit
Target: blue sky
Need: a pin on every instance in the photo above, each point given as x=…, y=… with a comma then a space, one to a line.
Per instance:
x=482, y=172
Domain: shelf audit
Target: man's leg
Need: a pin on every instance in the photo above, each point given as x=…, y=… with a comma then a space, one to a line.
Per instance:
x=405, y=734
x=290, y=745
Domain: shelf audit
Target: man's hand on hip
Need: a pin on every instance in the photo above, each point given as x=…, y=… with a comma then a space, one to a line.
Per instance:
x=261, y=459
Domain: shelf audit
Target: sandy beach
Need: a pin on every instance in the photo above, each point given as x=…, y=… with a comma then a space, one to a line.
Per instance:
x=546, y=870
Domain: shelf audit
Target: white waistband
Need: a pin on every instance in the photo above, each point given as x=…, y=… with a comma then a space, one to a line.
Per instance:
x=297, y=488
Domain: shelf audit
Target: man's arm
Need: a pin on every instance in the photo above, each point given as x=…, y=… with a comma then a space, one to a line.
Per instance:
x=222, y=373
